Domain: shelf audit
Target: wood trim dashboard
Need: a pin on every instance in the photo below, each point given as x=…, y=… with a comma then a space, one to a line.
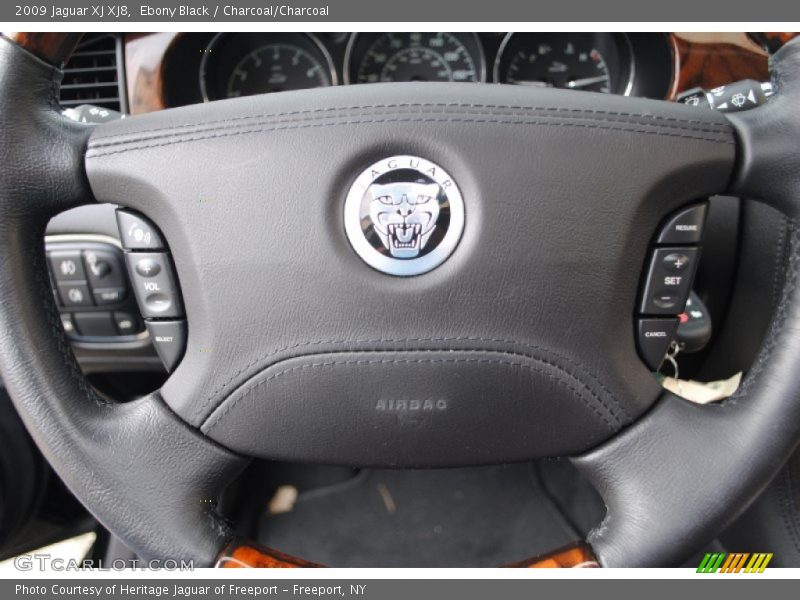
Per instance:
x=249, y=555
x=52, y=47
x=704, y=60
x=145, y=54
x=708, y=60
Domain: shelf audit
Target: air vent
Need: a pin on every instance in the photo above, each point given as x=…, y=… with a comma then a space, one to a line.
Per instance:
x=91, y=76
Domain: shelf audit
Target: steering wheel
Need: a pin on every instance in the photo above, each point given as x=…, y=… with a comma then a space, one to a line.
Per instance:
x=515, y=341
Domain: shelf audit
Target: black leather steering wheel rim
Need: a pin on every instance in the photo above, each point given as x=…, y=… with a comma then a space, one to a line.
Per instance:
x=152, y=479
x=702, y=465
x=97, y=448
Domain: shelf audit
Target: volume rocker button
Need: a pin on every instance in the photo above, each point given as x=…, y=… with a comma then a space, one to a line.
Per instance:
x=154, y=284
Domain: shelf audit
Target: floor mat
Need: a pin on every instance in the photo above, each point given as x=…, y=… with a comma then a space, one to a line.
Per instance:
x=472, y=517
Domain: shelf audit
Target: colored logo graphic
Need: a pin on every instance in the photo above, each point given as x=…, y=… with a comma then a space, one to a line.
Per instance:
x=744, y=562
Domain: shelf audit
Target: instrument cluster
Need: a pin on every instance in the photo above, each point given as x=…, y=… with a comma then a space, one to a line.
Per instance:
x=229, y=65
x=387, y=57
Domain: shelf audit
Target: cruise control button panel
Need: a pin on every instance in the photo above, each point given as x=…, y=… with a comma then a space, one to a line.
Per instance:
x=667, y=282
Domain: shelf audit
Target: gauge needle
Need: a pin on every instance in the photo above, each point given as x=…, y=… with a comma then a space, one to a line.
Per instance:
x=579, y=83
x=532, y=83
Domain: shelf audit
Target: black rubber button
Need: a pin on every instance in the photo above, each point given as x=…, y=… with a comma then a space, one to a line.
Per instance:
x=147, y=267
x=669, y=280
x=66, y=265
x=685, y=226
x=74, y=294
x=137, y=233
x=169, y=340
x=103, y=268
x=676, y=262
x=127, y=324
x=666, y=299
x=654, y=337
x=157, y=292
x=95, y=324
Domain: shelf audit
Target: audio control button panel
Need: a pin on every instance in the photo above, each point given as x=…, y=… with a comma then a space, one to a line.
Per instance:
x=155, y=286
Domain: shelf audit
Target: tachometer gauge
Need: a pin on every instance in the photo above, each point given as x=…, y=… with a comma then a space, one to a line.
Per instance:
x=578, y=61
x=258, y=63
x=384, y=57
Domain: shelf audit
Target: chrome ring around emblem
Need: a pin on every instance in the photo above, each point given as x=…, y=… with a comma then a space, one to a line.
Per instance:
x=404, y=215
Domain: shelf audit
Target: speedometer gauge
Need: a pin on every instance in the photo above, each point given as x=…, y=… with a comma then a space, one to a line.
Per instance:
x=386, y=57
x=244, y=64
x=578, y=61
x=275, y=68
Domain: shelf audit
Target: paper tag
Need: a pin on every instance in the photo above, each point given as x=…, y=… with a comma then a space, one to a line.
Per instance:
x=703, y=393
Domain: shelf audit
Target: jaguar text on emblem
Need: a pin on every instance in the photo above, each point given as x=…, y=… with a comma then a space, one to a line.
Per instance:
x=404, y=215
